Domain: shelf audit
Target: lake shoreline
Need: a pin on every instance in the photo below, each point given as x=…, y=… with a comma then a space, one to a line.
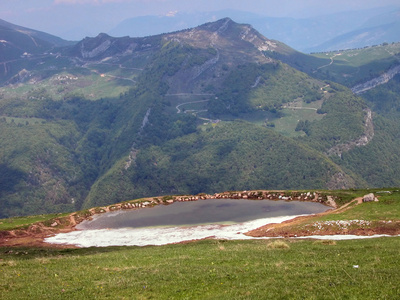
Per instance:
x=35, y=234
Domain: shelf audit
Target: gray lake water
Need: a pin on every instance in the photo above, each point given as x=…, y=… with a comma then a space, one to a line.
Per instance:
x=212, y=211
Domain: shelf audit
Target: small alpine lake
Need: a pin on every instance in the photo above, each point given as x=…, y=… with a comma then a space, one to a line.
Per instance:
x=202, y=212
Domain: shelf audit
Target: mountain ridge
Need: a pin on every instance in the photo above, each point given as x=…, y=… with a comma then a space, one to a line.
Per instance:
x=306, y=34
x=52, y=39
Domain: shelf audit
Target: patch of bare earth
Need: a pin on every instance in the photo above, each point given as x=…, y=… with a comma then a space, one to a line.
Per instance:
x=35, y=234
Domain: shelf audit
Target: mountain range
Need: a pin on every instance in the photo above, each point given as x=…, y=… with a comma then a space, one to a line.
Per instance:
x=345, y=30
x=211, y=108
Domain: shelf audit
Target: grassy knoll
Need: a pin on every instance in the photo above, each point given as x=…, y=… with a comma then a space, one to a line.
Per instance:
x=259, y=269
x=362, y=218
x=388, y=208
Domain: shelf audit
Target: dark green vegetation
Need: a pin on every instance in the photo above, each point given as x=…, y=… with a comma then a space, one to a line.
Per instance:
x=386, y=99
x=228, y=156
x=284, y=269
x=218, y=107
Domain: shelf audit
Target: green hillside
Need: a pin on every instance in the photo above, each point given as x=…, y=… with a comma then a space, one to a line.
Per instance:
x=351, y=67
x=224, y=156
x=385, y=99
x=217, y=107
x=347, y=67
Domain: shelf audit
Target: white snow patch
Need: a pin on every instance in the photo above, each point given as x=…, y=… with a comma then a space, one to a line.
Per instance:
x=160, y=235
x=342, y=237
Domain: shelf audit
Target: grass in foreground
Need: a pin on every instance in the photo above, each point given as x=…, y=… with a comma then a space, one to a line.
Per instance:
x=362, y=269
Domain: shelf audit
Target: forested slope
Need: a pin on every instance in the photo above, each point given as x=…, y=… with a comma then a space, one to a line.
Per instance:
x=207, y=109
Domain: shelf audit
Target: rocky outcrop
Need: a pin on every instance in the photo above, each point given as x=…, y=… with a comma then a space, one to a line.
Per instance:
x=384, y=78
x=361, y=141
x=131, y=158
x=370, y=198
x=96, y=51
x=198, y=70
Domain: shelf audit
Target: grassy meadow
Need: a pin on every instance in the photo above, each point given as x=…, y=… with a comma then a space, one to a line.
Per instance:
x=211, y=269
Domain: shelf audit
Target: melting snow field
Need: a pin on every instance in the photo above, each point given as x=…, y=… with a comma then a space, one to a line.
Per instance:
x=159, y=235
x=170, y=235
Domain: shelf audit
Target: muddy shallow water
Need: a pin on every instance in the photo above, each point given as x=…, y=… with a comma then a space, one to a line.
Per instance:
x=212, y=211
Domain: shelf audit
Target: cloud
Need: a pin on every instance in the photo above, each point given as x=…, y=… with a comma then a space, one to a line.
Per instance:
x=171, y=13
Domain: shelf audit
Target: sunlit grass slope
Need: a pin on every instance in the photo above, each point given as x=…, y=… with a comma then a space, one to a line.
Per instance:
x=366, y=269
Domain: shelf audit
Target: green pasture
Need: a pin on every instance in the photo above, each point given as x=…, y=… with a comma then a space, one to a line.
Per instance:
x=90, y=84
x=257, y=269
x=293, y=113
x=351, y=67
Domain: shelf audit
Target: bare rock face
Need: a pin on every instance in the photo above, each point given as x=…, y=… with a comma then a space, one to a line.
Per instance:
x=369, y=198
x=96, y=51
x=361, y=141
x=384, y=78
x=331, y=202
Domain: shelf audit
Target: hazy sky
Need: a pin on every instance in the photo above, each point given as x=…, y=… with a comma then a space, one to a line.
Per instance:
x=68, y=18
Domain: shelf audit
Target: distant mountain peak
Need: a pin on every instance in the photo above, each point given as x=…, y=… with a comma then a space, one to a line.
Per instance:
x=227, y=34
x=237, y=42
x=217, y=26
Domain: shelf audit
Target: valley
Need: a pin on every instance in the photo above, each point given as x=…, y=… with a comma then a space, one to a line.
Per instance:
x=219, y=101
x=109, y=126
